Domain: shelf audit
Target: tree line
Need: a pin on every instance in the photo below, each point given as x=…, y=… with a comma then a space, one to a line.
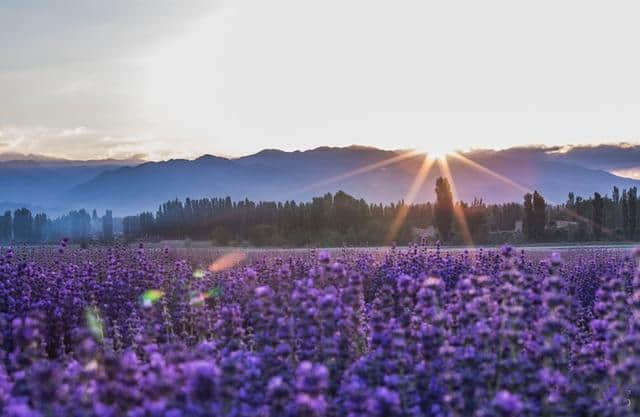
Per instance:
x=22, y=227
x=339, y=219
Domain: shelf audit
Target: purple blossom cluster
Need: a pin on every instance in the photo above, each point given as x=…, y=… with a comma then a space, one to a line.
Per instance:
x=417, y=332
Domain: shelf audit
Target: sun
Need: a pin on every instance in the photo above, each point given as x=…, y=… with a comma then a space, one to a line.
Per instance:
x=437, y=151
x=437, y=154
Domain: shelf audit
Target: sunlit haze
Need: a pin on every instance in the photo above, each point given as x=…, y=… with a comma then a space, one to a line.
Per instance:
x=180, y=79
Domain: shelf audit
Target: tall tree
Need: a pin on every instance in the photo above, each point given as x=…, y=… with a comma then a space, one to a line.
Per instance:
x=624, y=202
x=598, y=213
x=528, y=221
x=39, y=225
x=571, y=201
x=107, y=226
x=632, y=196
x=22, y=225
x=5, y=227
x=476, y=217
x=539, y=215
x=615, y=197
x=443, y=210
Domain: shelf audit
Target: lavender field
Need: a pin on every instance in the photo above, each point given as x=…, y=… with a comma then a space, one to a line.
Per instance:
x=413, y=332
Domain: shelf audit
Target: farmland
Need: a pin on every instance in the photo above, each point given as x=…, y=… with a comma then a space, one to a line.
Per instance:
x=123, y=331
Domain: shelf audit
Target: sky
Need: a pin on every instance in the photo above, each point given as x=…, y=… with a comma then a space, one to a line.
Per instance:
x=165, y=79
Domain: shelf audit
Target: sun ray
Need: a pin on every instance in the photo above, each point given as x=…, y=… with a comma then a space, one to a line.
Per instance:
x=362, y=170
x=458, y=212
x=486, y=170
x=413, y=191
x=522, y=188
x=577, y=216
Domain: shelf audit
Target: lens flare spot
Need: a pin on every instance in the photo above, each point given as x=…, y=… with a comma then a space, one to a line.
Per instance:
x=198, y=299
x=227, y=261
x=149, y=297
x=94, y=322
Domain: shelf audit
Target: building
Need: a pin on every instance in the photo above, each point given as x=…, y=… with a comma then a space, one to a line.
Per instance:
x=566, y=225
x=430, y=233
x=518, y=228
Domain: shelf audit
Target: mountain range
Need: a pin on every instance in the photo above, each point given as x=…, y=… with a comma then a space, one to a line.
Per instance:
x=129, y=186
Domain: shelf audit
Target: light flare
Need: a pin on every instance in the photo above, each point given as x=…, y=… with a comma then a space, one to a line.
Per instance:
x=227, y=261
x=94, y=323
x=413, y=191
x=362, y=170
x=458, y=212
x=199, y=273
x=149, y=297
x=486, y=170
x=198, y=299
x=522, y=188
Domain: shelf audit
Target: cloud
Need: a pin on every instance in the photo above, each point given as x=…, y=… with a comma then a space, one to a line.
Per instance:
x=81, y=143
x=523, y=152
x=622, y=159
x=609, y=157
x=628, y=173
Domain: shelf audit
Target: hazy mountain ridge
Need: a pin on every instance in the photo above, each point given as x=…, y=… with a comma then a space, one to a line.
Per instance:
x=279, y=175
x=17, y=158
x=130, y=186
x=42, y=182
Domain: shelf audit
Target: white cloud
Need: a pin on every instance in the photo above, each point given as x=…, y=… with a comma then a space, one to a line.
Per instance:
x=633, y=173
x=83, y=143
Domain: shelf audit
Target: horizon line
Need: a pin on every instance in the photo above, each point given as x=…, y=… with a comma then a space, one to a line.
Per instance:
x=37, y=157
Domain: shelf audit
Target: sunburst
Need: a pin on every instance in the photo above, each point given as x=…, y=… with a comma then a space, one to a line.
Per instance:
x=363, y=169
x=413, y=191
x=458, y=212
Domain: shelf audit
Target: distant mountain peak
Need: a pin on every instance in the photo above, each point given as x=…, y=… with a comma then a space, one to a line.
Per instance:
x=270, y=151
x=211, y=158
x=18, y=156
